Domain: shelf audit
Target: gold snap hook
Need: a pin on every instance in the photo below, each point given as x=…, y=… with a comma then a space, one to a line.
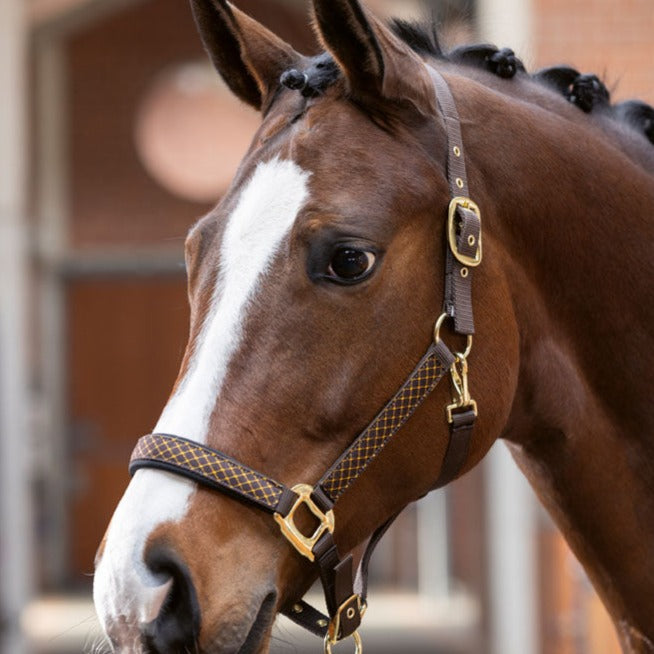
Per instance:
x=461, y=399
x=437, y=327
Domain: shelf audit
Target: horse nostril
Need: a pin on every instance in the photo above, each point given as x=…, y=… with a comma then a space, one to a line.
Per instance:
x=177, y=626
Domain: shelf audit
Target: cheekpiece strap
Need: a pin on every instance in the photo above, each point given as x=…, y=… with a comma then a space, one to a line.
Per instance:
x=464, y=233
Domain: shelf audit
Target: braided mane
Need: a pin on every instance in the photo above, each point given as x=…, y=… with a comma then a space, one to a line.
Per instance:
x=586, y=91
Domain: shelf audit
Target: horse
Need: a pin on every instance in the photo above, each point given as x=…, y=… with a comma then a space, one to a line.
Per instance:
x=314, y=287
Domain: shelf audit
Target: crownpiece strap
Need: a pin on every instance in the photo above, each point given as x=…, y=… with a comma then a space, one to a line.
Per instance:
x=464, y=226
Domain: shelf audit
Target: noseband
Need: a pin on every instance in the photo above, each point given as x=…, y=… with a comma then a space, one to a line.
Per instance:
x=345, y=594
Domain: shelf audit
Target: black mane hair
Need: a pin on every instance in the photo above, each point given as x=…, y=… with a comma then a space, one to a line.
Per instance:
x=586, y=91
x=420, y=38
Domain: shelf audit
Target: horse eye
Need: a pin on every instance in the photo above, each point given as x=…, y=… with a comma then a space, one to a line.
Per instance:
x=350, y=265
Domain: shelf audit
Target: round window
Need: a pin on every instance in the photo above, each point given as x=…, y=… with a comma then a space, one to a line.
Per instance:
x=191, y=132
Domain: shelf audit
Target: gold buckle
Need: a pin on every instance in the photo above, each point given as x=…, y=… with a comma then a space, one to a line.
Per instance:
x=466, y=203
x=460, y=385
x=358, y=645
x=305, y=544
x=350, y=611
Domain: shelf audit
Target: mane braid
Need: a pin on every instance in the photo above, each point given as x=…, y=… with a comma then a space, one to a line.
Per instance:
x=638, y=115
x=559, y=78
x=586, y=91
x=502, y=63
x=321, y=73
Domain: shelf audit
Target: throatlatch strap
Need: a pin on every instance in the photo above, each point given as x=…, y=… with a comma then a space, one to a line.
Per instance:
x=458, y=447
x=458, y=275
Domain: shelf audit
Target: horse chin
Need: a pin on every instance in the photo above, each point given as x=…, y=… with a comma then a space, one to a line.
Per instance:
x=256, y=639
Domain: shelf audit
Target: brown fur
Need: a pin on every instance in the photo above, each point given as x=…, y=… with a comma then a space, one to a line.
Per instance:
x=562, y=364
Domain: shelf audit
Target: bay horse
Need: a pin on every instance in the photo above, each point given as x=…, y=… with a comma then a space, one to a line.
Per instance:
x=314, y=287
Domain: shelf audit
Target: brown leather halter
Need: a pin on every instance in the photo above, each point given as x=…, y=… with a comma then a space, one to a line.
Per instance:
x=346, y=595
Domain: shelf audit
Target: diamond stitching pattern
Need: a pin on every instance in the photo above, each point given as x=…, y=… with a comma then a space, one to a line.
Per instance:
x=210, y=464
x=384, y=426
x=218, y=469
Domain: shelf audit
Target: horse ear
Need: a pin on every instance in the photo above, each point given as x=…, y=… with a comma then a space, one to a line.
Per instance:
x=249, y=57
x=375, y=62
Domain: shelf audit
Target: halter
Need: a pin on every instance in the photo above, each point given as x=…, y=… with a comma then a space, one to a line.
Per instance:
x=345, y=594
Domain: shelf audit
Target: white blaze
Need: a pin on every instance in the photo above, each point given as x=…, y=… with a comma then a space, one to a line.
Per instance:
x=264, y=215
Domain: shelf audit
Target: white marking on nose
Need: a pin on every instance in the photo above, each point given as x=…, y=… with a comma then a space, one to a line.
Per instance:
x=268, y=206
x=265, y=213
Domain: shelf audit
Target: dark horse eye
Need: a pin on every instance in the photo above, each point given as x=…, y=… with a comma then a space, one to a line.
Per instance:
x=350, y=265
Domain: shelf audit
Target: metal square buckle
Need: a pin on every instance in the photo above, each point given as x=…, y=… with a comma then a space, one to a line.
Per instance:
x=304, y=544
x=466, y=203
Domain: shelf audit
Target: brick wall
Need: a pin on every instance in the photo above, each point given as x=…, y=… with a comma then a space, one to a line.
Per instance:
x=612, y=38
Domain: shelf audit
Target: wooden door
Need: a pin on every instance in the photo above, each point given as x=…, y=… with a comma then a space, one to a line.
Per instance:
x=126, y=337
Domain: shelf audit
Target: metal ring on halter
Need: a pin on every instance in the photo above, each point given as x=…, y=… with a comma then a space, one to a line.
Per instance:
x=437, y=336
x=358, y=645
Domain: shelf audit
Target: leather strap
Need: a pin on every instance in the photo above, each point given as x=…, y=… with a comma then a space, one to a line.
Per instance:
x=219, y=471
x=458, y=277
x=211, y=468
x=458, y=447
x=361, y=581
x=422, y=381
x=336, y=576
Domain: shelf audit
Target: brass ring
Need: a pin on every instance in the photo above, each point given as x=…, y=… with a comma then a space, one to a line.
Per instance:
x=437, y=336
x=358, y=645
x=468, y=350
x=437, y=327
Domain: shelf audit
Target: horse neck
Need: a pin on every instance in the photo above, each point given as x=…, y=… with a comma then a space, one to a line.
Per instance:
x=571, y=221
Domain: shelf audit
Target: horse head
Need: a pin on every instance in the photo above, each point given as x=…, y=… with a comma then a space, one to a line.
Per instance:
x=314, y=287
